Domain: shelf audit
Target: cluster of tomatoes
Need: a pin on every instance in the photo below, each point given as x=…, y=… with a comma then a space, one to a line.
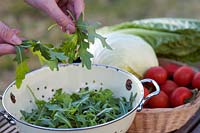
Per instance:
x=177, y=84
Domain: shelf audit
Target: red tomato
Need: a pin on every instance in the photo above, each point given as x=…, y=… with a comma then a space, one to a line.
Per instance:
x=179, y=96
x=196, y=81
x=183, y=76
x=159, y=101
x=171, y=68
x=168, y=87
x=146, y=92
x=158, y=73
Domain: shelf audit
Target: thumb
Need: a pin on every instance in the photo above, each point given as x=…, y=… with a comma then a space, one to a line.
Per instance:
x=78, y=8
x=6, y=49
x=57, y=14
x=8, y=35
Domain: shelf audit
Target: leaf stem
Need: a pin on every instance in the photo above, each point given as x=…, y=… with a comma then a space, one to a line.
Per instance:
x=32, y=92
x=20, y=54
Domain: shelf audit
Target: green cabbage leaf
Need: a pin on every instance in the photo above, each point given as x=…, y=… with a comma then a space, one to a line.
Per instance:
x=173, y=38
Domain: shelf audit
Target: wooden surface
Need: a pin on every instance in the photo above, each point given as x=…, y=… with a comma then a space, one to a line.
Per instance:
x=192, y=126
x=6, y=127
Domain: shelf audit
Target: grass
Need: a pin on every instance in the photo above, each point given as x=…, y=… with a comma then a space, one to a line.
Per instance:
x=33, y=23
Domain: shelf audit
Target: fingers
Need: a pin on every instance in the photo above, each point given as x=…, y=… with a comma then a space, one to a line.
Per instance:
x=1, y=40
x=9, y=35
x=79, y=7
x=6, y=49
x=58, y=14
x=64, y=21
x=76, y=7
x=8, y=38
x=16, y=31
x=52, y=9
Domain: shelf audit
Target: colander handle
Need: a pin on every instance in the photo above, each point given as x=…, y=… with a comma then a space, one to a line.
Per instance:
x=154, y=93
x=6, y=115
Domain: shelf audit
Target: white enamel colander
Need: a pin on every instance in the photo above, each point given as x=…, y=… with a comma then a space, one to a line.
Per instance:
x=71, y=78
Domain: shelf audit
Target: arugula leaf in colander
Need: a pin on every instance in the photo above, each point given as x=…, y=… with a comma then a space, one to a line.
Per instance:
x=83, y=109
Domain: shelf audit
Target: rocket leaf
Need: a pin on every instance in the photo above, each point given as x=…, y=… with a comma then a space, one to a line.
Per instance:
x=45, y=53
x=73, y=47
x=81, y=109
x=80, y=41
x=21, y=70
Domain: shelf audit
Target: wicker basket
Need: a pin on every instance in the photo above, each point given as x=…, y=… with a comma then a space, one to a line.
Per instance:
x=162, y=120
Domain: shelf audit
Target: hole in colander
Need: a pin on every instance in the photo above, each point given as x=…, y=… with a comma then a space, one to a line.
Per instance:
x=93, y=81
x=38, y=89
x=42, y=96
x=52, y=90
x=121, y=131
x=101, y=83
x=12, y=97
x=86, y=83
x=128, y=84
x=45, y=87
x=30, y=101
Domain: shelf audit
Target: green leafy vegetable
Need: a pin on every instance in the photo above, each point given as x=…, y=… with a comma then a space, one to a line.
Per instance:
x=75, y=45
x=45, y=52
x=21, y=70
x=178, y=39
x=83, y=109
x=22, y=67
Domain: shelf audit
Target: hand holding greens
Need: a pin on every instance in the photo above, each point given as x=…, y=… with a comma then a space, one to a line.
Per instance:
x=83, y=109
x=76, y=45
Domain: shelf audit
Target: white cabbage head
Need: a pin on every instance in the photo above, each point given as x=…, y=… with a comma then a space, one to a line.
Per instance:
x=129, y=52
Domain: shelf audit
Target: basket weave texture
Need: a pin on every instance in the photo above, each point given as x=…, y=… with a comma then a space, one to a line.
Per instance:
x=163, y=120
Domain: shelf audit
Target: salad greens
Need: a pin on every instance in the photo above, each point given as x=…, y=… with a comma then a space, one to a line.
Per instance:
x=83, y=109
x=174, y=38
x=76, y=45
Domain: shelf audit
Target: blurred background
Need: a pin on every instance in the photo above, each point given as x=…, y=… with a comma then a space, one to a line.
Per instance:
x=33, y=23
